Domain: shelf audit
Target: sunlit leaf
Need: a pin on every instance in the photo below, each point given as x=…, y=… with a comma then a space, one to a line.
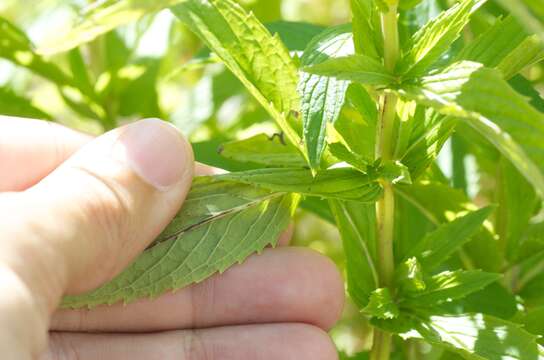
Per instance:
x=437, y=246
x=449, y=285
x=432, y=40
x=259, y=60
x=474, y=336
x=340, y=183
x=476, y=94
x=381, y=305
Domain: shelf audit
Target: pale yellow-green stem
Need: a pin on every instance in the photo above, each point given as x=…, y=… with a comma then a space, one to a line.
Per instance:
x=385, y=208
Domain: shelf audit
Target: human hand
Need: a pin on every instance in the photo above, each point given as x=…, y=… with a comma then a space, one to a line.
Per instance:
x=74, y=211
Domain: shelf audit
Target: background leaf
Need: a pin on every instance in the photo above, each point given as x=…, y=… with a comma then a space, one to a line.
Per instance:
x=474, y=93
x=322, y=97
x=357, y=225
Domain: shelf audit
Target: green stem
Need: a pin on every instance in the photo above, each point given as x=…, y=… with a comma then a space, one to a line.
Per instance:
x=385, y=208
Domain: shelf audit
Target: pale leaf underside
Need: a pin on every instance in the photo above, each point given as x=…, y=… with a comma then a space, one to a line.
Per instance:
x=220, y=224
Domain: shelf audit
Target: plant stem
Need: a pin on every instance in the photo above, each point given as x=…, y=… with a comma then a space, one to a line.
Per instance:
x=385, y=208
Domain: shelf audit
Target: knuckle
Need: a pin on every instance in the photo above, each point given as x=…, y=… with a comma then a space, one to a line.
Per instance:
x=61, y=348
x=203, y=300
x=195, y=346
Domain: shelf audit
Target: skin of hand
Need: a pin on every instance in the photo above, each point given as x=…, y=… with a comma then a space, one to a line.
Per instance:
x=74, y=211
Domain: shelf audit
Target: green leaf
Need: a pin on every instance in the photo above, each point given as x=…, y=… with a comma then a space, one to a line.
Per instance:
x=532, y=290
x=477, y=94
x=80, y=72
x=357, y=225
x=219, y=225
x=409, y=276
x=261, y=149
x=358, y=356
x=341, y=152
x=340, y=183
x=526, y=88
x=438, y=245
x=319, y=207
x=432, y=40
x=534, y=321
x=440, y=204
x=493, y=300
x=101, y=17
x=12, y=104
x=356, y=126
x=358, y=68
x=504, y=46
x=16, y=47
x=448, y=286
x=517, y=204
x=365, y=31
x=408, y=4
x=259, y=60
x=529, y=13
x=295, y=35
x=322, y=97
x=474, y=336
x=381, y=305
x=428, y=134
x=492, y=46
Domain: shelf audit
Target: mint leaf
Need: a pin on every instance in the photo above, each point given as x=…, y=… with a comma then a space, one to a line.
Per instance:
x=381, y=305
x=440, y=203
x=259, y=60
x=365, y=28
x=340, y=183
x=357, y=225
x=517, y=205
x=409, y=276
x=431, y=41
x=295, y=35
x=475, y=94
x=220, y=224
x=438, y=245
x=16, y=47
x=322, y=97
x=504, y=46
x=474, y=336
x=529, y=13
x=448, y=286
x=264, y=150
x=13, y=104
x=357, y=68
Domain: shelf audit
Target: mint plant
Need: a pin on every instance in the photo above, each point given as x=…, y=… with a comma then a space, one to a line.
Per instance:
x=363, y=110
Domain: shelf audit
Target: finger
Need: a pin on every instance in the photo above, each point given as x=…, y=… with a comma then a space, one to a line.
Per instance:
x=263, y=342
x=281, y=285
x=31, y=149
x=86, y=220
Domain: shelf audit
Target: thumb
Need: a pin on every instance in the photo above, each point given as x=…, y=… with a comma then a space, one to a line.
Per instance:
x=89, y=218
